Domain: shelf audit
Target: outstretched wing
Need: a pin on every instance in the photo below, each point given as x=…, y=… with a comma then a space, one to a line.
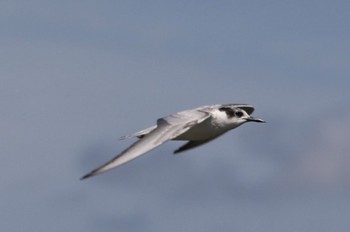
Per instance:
x=167, y=128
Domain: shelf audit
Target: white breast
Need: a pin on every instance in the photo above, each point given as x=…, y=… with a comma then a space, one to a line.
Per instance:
x=208, y=129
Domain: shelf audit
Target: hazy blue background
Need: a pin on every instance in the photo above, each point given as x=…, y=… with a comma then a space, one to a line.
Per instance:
x=76, y=75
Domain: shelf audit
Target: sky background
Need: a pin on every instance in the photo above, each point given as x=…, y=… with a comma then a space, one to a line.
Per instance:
x=77, y=75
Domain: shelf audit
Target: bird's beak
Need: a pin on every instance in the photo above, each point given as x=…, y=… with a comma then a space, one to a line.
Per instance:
x=252, y=119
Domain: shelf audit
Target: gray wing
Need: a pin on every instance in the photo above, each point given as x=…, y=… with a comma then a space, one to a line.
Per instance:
x=167, y=128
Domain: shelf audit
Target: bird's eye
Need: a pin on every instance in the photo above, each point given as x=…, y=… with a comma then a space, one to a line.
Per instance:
x=238, y=114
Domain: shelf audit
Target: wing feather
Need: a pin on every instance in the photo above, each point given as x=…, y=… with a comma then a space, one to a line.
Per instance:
x=139, y=134
x=167, y=128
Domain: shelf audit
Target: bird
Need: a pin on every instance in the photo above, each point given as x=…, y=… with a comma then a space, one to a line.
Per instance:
x=197, y=126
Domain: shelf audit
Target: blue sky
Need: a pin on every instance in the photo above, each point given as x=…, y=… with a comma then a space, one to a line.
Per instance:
x=75, y=76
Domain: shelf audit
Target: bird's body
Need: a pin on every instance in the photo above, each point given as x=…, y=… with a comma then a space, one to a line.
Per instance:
x=198, y=126
x=210, y=128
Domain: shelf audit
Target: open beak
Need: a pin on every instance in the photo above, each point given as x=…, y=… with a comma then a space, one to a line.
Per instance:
x=252, y=119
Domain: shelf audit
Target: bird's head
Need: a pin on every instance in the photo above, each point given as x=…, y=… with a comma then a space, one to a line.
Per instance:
x=237, y=114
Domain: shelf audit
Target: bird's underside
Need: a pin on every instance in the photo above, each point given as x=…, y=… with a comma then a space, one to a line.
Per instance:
x=188, y=145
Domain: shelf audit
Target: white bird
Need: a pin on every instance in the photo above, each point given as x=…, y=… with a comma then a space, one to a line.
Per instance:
x=198, y=126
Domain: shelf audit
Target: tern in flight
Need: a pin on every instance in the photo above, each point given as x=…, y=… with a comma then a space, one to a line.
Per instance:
x=197, y=126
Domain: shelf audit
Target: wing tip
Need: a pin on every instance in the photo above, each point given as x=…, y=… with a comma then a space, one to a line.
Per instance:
x=87, y=176
x=179, y=150
x=92, y=173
